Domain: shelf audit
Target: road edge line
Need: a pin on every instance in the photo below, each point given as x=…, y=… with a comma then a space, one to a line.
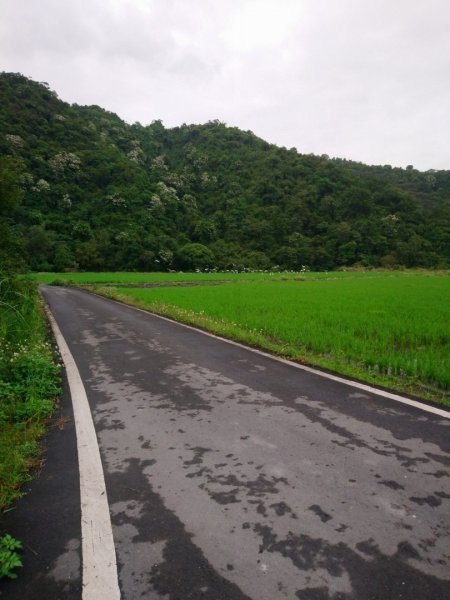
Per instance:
x=100, y=577
x=350, y=382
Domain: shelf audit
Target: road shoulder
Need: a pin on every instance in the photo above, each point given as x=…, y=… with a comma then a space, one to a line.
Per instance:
x=47, y=518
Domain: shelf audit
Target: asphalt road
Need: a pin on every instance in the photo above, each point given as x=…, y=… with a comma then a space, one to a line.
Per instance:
x=230, y=475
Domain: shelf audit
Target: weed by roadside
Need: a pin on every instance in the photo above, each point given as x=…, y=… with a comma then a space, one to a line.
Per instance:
x=29, y=385
x=9, y=556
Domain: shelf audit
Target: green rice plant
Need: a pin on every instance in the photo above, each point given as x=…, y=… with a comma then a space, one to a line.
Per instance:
x=390, y=329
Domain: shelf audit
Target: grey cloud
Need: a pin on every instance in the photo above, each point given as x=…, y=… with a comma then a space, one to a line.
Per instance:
x=364, y=80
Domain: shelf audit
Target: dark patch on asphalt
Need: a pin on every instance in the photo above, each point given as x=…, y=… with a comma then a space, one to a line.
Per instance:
x=114, y=424
x=376, y=578
x=260, y=507
x=353, y=441
x=368, y=547
x=184, y=572
x=317, y=510
x=314, y=414
x=229, y=497
x=198, y=473
x=258, y=487
x=392, y=484
x=439, y=474
x=197, y=459
x=281, y=508
x=405, y=551
x=184, y=400
x=442, y=495
x=430, y=500
x=383, y=413
x=440, y=458
x=320, y=593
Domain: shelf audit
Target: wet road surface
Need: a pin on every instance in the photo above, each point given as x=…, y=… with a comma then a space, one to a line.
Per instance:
x=230, y=475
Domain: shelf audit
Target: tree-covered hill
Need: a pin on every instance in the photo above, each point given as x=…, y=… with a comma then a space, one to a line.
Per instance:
x=100, y=194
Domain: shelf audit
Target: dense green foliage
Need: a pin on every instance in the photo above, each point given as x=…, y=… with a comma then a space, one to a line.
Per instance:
x=29, y=382
x=11, y=242
x=390, y=329
x=99, y=194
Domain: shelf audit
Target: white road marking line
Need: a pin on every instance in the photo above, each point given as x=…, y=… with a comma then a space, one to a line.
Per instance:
x=100, y=578
x=356, y=384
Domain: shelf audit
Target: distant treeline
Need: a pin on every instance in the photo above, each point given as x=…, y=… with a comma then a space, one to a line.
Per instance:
x=81, y=189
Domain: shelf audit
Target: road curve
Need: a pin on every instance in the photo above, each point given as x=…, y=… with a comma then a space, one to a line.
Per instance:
x=231, y=475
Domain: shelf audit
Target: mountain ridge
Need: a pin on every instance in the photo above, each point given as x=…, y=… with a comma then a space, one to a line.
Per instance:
x=101, y=194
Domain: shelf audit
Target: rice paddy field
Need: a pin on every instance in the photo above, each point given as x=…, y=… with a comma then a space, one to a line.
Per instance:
x=130, y=278
x=123, y=278
x=386, y=328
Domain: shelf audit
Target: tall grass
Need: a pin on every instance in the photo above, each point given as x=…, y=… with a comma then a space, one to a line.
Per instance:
x=29, y=382
x=393, y=330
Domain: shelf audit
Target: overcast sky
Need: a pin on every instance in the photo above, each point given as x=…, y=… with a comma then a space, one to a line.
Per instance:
x=362, y=79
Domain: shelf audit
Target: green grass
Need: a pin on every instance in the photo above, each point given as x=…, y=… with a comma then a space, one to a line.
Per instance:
x=29, y=382
x=391, y=329
x=124, y=278
x=142, y=278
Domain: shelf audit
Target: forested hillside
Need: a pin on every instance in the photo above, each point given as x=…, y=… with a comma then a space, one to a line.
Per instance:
x=99, y=194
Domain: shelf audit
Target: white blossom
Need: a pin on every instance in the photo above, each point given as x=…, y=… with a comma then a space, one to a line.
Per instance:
x=166, y=193
x=27, y=179
x=190, y=200
x=41, y=186
x=159, y=163
x=166, y=256
x=117, y=200
x=136, y=155
x=122, y=236
x=66, y=201
x=64, y=160
x=155, y=203
x=15, y=140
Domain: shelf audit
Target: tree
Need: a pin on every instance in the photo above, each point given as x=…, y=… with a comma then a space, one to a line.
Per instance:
x=117, y=196
x=63, y=259
x=11, y=244
x=195, y=256
x=40, y=248
x=88, y=256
